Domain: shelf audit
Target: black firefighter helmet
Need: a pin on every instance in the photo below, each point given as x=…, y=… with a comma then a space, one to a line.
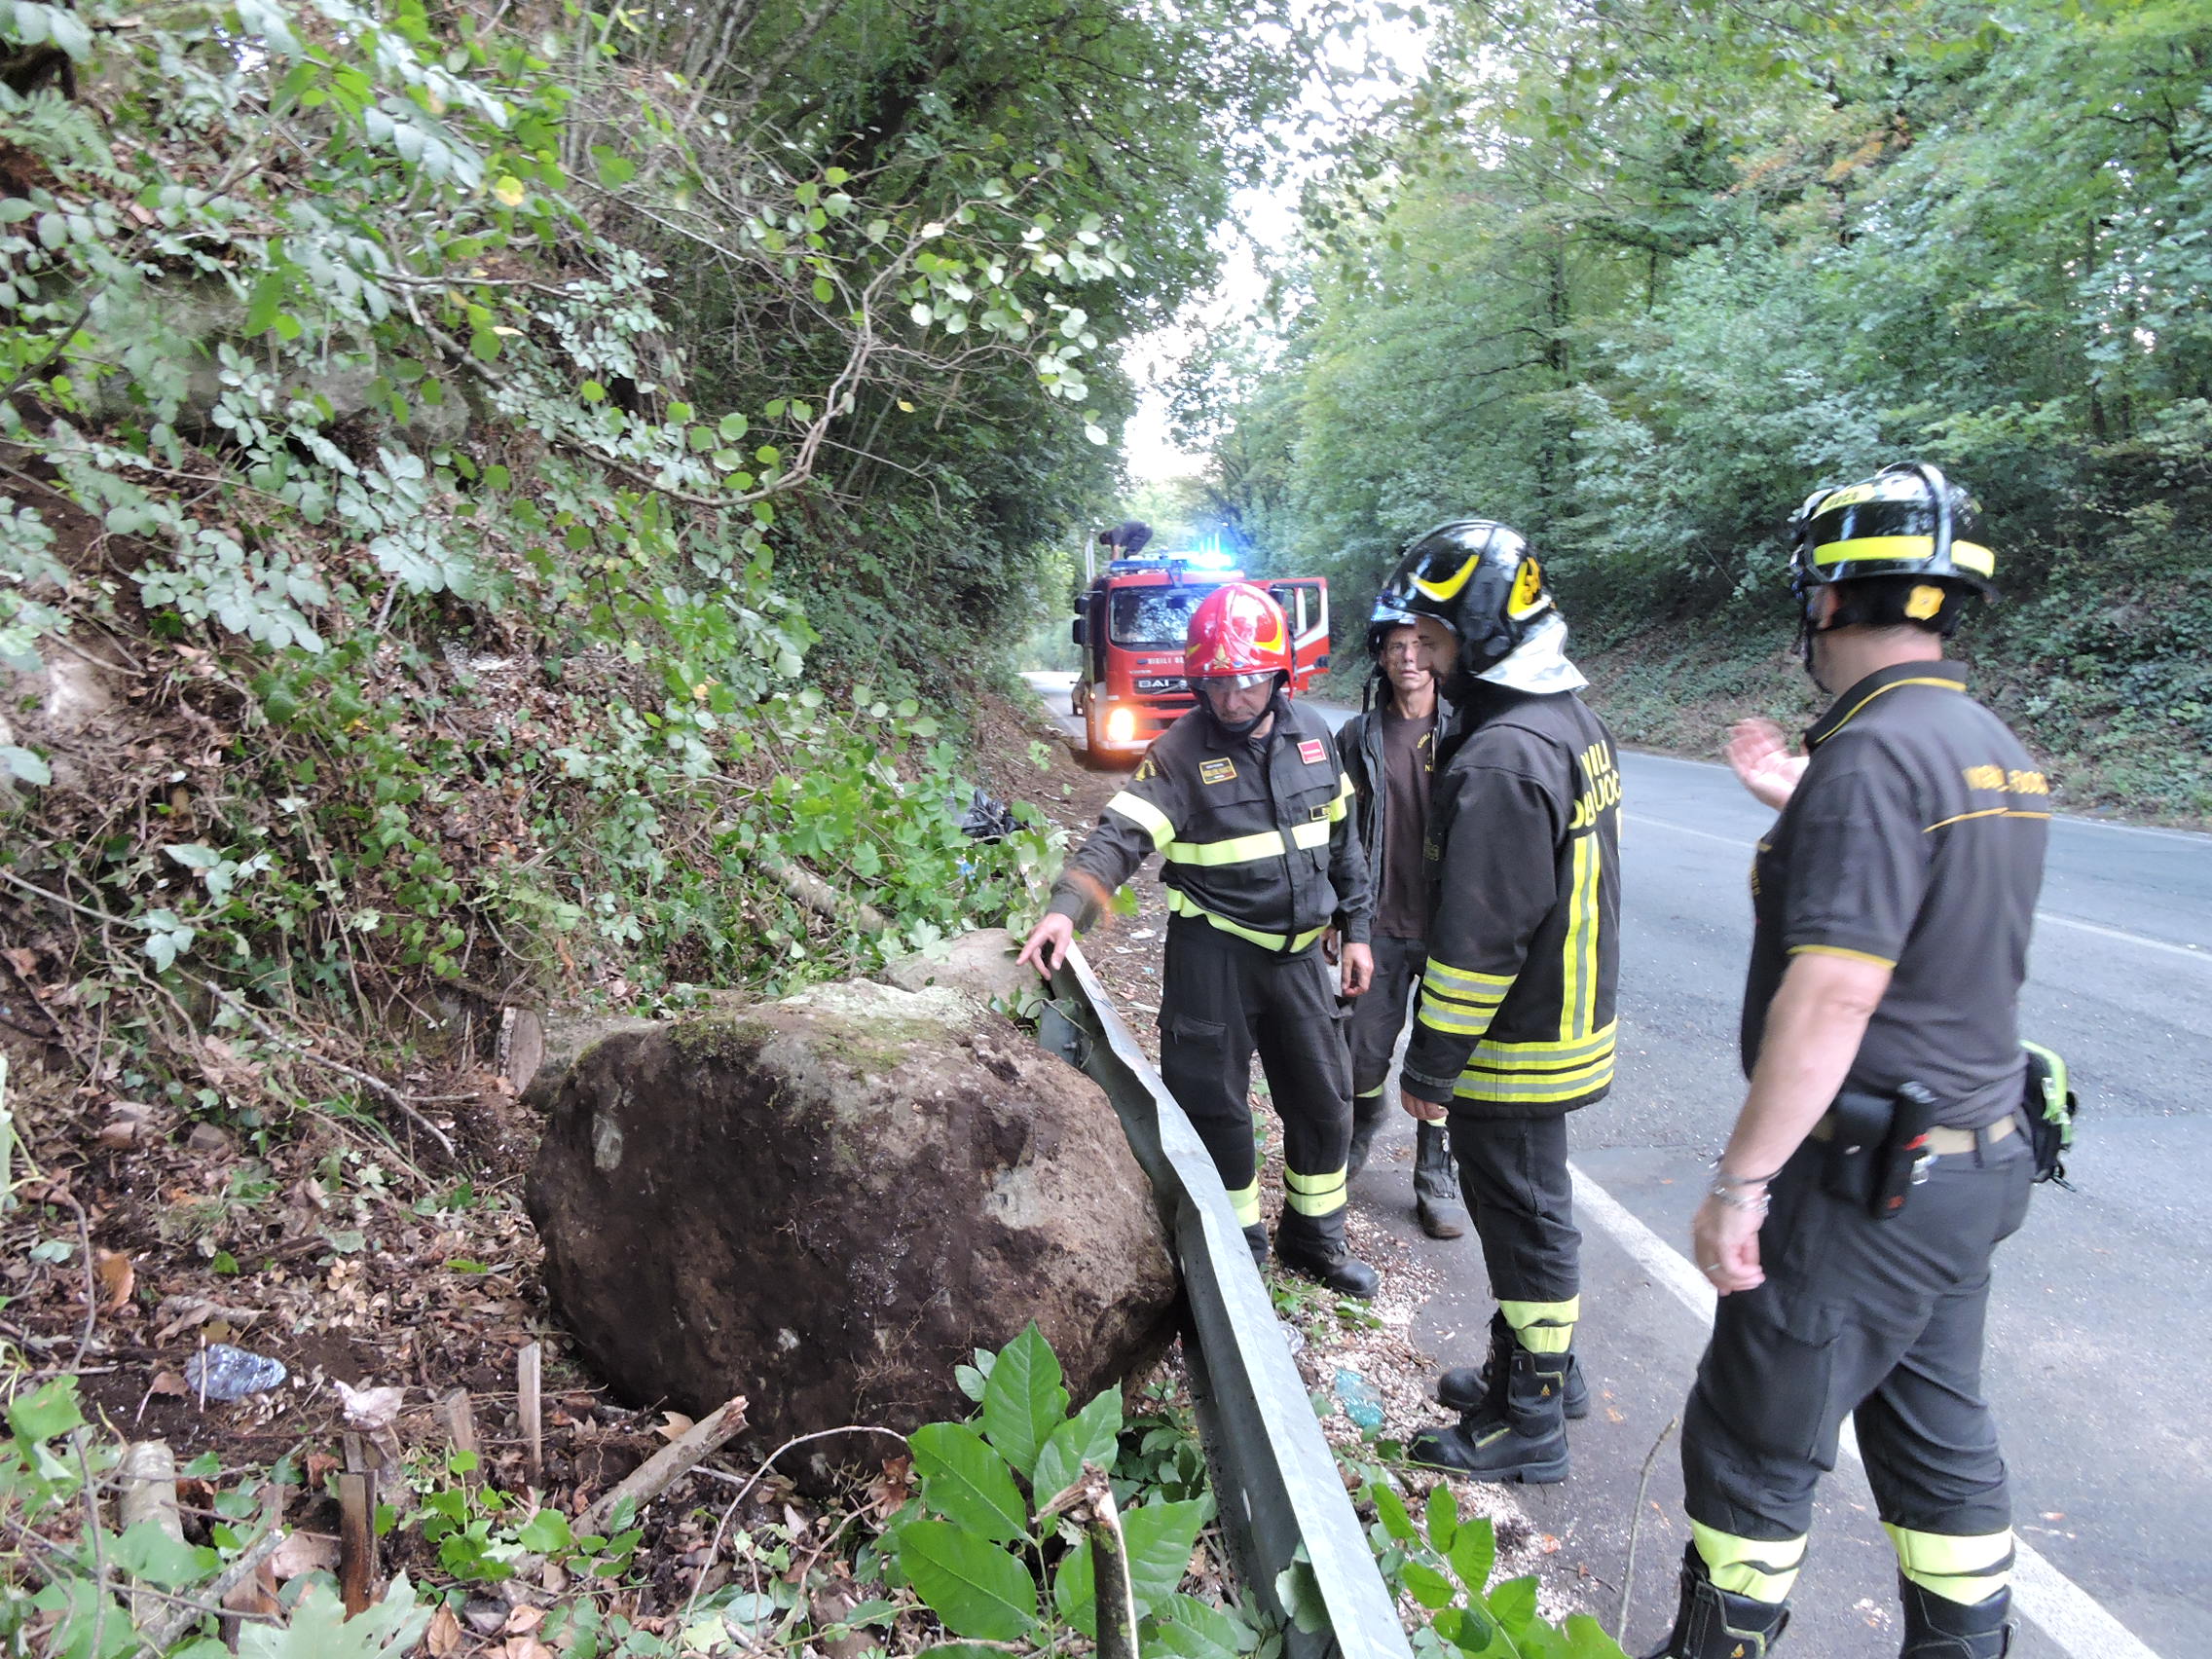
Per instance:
x=1904, y=546
x=1478, y=578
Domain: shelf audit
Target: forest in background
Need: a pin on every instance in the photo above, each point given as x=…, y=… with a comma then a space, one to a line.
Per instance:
x=1637, y=277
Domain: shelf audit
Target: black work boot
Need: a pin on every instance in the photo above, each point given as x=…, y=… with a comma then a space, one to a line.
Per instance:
x=1367, y=1114
x=1436, y=1184
x=1520, y=1436
x=1313, y=1247
x=1712, y=1623
x=1464, y=1388
x=1936, y=1628
x=1256, y=1235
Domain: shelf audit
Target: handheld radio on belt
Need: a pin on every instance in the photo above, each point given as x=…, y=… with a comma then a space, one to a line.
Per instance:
x=1878, y=1146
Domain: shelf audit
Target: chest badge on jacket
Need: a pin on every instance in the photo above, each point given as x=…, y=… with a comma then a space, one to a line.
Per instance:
x=1311, y=752
x=1216, y=771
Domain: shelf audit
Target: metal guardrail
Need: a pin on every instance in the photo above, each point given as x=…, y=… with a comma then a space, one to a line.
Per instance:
x=1274, y=1474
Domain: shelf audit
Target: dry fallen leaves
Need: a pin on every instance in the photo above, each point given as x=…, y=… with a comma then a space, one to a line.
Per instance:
x=443, y=1637
x=117, y=1278
x=673, y=1425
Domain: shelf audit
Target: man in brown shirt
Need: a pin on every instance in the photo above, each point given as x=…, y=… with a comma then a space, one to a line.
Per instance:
x=1390, y=753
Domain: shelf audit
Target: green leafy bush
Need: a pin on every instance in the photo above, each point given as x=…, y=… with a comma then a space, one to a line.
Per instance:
x=1443, y=1564
x=979, y=1544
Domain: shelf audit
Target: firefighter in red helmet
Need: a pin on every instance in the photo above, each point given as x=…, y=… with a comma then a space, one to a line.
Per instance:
x=1247, y=804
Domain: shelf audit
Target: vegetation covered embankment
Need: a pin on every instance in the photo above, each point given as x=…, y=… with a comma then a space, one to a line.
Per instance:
x=1636, y=279
x=488, y=495
x=497, y=505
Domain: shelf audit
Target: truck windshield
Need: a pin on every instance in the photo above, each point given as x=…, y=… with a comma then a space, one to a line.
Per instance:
x=1154, y=618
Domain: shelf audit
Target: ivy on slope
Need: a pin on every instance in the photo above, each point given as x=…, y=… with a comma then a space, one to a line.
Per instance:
x=380, y=613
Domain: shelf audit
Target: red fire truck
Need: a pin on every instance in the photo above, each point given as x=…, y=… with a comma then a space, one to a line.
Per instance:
x=1130, y=624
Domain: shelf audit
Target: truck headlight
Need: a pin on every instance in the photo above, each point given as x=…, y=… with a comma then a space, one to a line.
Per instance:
x=1121, y=726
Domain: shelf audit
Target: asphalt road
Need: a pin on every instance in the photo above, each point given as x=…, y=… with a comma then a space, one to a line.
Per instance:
x=2099, y=1346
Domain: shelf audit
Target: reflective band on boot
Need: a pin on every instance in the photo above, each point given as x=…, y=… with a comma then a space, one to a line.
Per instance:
x=1543, y=1327
x=1959, y=1568
x=1761, y=1570
x=1315, y=1195
x=1245, y=1202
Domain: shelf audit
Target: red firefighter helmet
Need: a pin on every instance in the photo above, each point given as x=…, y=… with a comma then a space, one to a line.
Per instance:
x=1237, y=632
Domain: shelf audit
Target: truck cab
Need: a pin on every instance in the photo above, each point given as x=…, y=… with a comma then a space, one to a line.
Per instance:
x=1130, y=623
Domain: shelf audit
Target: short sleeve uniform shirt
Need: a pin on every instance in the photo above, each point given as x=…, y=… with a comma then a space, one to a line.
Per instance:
x=1916, y=839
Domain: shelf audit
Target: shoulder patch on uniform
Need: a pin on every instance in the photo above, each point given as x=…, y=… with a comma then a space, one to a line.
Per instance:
x=1311, y=751
x=1146, y=768
x=1216, y=771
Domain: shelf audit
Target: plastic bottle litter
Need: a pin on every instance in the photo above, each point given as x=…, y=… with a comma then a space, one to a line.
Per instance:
x=1361, y=1403
x=221, y=1371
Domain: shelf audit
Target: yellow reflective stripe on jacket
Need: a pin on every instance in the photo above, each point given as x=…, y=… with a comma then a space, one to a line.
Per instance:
x=1145, y=816
x=1245, y=849
x=1342, y=804
x=1535, y=1087
x=1180, y=904
x=1544, y=1056
x=1464, y=983
x=1454, y=1018
x=1762, y=1568
x=1578, y=951
x=1958, y=1568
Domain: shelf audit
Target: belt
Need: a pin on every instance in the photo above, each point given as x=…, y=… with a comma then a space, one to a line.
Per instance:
x=1942, y=1142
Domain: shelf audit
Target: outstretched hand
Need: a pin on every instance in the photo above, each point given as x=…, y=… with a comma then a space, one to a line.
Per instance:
x=1047, y=944
x=1763, y=763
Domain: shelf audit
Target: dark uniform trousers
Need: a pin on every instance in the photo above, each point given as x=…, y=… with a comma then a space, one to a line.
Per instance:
x=1881, y=1320
x=1514, y=1179
x=1379, y=1015
x=1224, y=998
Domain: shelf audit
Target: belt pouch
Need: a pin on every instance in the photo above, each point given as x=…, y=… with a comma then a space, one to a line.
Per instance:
x=1905, y=1157
x=1851, y=1170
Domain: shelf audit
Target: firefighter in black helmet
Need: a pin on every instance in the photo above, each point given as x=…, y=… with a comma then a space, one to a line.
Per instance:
x=1876, y=1162
x=1515, y=1023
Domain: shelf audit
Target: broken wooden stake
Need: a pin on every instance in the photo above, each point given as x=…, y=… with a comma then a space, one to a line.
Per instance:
x=357, y=1543
x=356, y=1526
x=702, y=1440
x=531, y=1407
x=147, y=1476
x=461, y=1422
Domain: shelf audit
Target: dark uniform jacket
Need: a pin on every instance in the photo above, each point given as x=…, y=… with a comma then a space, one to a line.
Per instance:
x=1258, y=841
x=1360, y=743
x=1516, y=1012
x=1914, y=839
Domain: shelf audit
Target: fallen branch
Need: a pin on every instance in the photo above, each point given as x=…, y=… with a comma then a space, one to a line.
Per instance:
x=702, y=1440
x=825, y=900
x=158, y=1634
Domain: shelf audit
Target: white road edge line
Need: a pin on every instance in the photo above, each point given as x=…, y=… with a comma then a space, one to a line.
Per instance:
x=2126, y=938
x=2119, y=934
x=2065, y=1612
x=2157, y=831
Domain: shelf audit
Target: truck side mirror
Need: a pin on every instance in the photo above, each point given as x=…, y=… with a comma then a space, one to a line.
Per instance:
x=1078, y=631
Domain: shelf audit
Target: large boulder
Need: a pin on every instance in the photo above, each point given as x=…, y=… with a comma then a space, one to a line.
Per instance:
x=825, y=1203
